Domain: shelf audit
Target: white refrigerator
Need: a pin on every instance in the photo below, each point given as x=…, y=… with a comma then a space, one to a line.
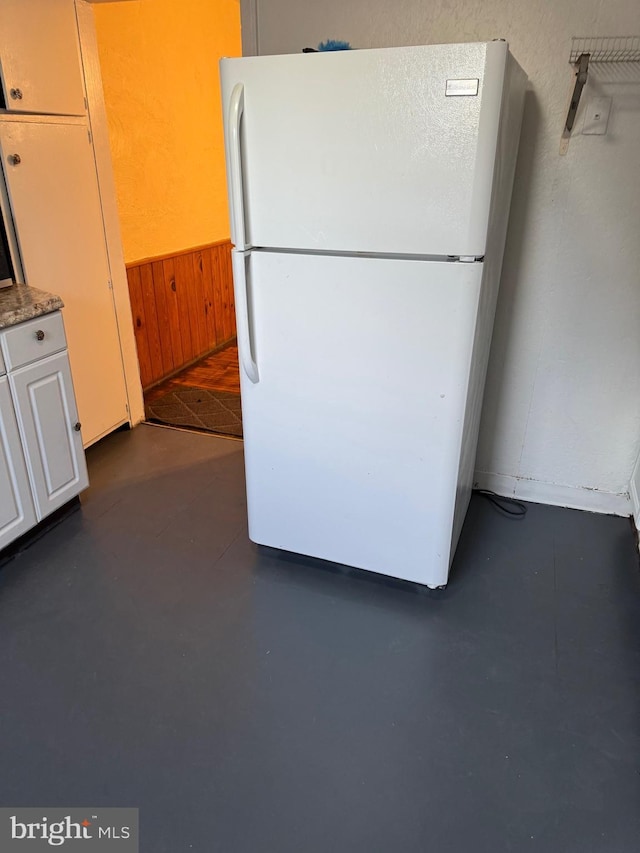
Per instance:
x=369, y=196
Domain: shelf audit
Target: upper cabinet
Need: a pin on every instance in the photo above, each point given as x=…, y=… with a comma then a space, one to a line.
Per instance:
x=40, y=57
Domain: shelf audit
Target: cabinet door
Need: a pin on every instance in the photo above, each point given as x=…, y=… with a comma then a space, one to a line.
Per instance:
x=17, y=514
x=54, y=196
x=40, y=57
x=48, y=419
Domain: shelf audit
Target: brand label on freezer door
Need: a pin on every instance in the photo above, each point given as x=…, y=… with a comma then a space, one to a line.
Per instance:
x=462, y=87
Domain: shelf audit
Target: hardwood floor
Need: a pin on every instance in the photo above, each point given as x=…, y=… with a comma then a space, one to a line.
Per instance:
x=217, y=372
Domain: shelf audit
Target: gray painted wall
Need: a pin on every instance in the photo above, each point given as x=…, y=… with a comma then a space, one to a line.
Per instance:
x=561, y=421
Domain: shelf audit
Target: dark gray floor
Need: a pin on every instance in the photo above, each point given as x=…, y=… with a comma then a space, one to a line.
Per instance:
x=151, y=656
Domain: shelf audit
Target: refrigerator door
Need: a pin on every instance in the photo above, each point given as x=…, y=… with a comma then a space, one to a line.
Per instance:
x=354, y=379
x=386, y=151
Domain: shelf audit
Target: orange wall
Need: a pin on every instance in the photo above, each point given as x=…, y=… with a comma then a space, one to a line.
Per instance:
x=159, y=62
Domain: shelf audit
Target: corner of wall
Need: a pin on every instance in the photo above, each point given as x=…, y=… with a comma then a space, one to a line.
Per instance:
x=556, y=494
x=634, y=493
x=106, y=188
x=249, y=27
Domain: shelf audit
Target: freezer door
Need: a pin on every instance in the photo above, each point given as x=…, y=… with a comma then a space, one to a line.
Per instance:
x=388, y=151
x=354, y=381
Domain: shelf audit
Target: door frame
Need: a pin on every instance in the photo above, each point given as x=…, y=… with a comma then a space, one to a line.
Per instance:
x=250, y=29
x=97, y=117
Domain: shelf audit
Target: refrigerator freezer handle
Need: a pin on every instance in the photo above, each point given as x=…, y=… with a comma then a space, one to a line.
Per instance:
x=236, y=109
x=249, y=365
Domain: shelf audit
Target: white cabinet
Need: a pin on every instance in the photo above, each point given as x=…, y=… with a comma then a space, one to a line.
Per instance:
x=53, y=191
x=43, y=393
x=60, y=199
x=40, y=57
x=17, y=513
x=42, y=463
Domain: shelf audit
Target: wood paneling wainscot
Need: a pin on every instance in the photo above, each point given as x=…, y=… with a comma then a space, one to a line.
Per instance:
x=182, y=307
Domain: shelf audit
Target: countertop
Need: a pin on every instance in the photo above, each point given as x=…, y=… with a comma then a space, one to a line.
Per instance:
x=19, y=302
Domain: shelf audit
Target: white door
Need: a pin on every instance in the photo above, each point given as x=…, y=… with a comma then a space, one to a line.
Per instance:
x=43, y=392
x=54, y=196
x=387, y=151
x=40, y=57
x=354, y=384
x=17, y=514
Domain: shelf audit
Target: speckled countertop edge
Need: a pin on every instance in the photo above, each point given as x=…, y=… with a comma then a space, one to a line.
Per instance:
x=19, y=303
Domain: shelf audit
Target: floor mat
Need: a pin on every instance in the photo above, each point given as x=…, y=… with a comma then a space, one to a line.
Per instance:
x=215, y=411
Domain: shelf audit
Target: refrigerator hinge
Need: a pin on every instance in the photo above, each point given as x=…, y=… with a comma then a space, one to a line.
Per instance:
x=469, y=259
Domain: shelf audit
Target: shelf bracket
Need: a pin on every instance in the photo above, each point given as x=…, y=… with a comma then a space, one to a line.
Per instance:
x=582, y=72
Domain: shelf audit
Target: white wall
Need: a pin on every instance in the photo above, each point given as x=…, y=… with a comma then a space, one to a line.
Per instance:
x=561, y=422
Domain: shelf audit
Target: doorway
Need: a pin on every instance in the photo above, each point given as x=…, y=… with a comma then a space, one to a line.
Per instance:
x=159, y=63
x=184, y=322
x=205, y=396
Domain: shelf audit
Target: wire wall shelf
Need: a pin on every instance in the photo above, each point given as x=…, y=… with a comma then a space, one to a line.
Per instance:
x=605, y=48
x=587, y=51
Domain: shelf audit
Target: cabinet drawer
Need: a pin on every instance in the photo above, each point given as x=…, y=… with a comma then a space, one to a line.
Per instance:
x=3, y=369
x=35, y=339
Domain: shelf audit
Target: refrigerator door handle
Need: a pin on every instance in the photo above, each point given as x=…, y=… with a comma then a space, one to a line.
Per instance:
x=236, y=110
x=238, y=260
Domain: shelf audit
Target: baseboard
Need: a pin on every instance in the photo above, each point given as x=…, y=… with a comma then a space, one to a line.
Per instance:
x=38, y=531
x=556, y=494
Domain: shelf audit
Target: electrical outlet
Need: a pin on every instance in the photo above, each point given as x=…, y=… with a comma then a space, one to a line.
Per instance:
x=596, y=116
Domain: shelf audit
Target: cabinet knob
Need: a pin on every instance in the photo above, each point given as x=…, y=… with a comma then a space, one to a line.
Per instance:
x=78, y=426
x=39, y=335
x=15, y=159
x=16, y=94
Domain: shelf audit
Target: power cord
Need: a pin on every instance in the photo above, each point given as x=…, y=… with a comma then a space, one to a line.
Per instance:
x=502, y=503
